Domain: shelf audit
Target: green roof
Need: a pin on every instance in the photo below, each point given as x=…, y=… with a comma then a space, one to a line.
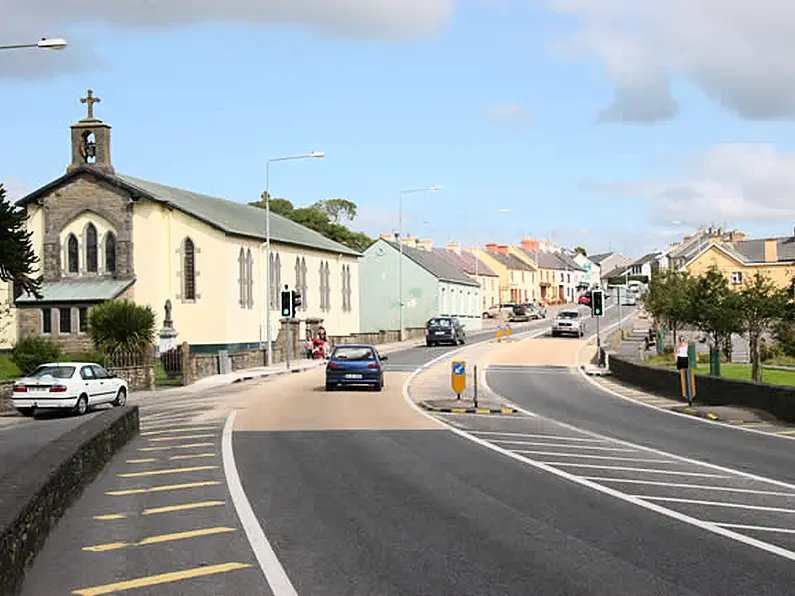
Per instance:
x=84, y=290
x=235, y=218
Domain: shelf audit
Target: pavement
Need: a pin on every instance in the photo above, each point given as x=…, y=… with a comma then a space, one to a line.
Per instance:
x=359, y=493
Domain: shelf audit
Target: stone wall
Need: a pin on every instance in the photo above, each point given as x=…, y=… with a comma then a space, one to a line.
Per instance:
x=247, y=359
x=6, y=391
x=139, y=378
x=382, y=337
x=199, y=367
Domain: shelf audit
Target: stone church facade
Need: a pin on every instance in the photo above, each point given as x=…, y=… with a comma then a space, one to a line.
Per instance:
x=101, y=235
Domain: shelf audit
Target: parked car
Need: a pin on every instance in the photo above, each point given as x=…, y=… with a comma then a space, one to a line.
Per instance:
x=568, y=322
x=585, y=299
x=358, y=364
x=519, y=314
x=498, y=310
x=71, y=385
x=444, y=330
x=536, y=311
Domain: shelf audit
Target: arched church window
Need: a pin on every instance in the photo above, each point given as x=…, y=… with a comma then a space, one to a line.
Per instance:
x=72, y=255
x=110, y=252
x=189, y=270
x=91, y=248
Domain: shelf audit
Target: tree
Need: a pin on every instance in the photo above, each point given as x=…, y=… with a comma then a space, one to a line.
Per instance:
x=122, y=326
x=580, y=250
x=713, y=308
x=338, y=209
x=17, y=259
x=668, y=299
x=761, y=304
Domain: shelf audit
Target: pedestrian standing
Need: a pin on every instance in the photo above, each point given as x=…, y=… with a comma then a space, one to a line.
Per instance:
x=682, y=360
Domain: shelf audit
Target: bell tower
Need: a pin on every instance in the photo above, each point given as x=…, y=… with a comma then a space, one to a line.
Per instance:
x=91, y=140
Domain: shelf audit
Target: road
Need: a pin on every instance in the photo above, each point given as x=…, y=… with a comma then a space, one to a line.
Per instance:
x=358, y=493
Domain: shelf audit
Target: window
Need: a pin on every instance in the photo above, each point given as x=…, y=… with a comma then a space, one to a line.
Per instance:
x=86, y=373
x=275, y=274
x=322, y=273
x=303, y=286
x=737, y=277
x=346, y=288
x=82, y=319
x=249, y=279
x=241, y=278
x=46, y=320
x=72, y=254
x=327, y=274
x=91, y=248
x=110, y=252
x=64, y=320
x=188, y=270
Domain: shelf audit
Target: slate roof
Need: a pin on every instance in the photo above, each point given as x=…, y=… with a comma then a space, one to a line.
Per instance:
x=753, y=251
x=84, y=290
x=436, y=265
x=553, y=260
x=647, y=258
x=510, y=261
x=232, y=218
x=600, y=257
x=466, y=261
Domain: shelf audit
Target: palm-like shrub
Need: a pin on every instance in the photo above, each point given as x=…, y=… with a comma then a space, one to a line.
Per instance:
x=121, y=326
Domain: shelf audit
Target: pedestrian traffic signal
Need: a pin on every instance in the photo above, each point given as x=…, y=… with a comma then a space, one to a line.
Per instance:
x=296, y=302
x=287, y=304
x=597, y=303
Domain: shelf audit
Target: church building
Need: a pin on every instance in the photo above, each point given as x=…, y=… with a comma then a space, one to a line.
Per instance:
x=101, y=235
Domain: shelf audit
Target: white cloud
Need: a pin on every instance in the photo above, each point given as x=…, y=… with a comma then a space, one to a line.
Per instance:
x=733, y=182
x=14, y=188
x=25, y=22
x=512, y=113
x=737, y=51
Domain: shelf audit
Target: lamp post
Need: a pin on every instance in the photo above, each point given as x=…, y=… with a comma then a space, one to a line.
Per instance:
x=267, y=198
x=400, y=247
x=44, y=43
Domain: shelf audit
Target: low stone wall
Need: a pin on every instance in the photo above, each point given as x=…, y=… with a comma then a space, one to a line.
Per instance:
x=713, y=391
x=6, y=391
x=200, y=366
x=139, y=378
x=247, y=359
x=36, y=494
x=376, y=338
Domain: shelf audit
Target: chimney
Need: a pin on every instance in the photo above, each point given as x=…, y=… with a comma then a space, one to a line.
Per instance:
x=390, y=237
x=410, y=241
x=491, y=247
x=503, y=248
x=771, y=250
x=529, y=244
x=426, y=245
x=454, y=247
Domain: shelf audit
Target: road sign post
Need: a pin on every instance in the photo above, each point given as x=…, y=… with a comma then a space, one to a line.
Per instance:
x=475, y=384
x=688, y=378
x=458, y=378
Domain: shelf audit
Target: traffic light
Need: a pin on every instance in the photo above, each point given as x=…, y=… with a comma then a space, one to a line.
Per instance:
x=296, y=301
x=287, y=303
x=597, y=303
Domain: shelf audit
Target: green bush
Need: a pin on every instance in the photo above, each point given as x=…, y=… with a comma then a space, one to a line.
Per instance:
x=121, y=326
x=32, y=351
x=88, y=356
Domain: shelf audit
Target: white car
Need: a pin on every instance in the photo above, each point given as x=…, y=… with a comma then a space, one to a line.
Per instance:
x=568, y=322
x=73, y=385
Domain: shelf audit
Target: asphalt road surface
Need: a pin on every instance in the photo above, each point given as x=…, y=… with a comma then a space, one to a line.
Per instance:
x=357, y=493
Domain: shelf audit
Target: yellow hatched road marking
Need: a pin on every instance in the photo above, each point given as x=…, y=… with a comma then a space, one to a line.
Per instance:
x=168, y=447
x=99, y=548
x=786, y=432
x=167, y=471
x=192, y=456
x=163, y=578
x=185, y=507
x=161, y=424
x=181, y=438
x=157, y=489
x=110, y=516
x=178, y=430
x=145, y=460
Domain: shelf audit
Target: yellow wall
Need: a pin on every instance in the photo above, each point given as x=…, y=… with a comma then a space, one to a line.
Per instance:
x=780, y=274
x=8, y=317
x=489, y=290
x=531, y=277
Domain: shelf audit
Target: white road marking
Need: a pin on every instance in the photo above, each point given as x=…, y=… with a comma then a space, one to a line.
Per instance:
x=566, y=446
x=715, y=504
x=630, y=469
x=756, y=528
x=271, y=567
x=749, y=491
x=592, y=456
x=535, y=436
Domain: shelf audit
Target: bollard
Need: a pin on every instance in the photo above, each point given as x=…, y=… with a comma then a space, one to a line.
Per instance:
x=475, y=384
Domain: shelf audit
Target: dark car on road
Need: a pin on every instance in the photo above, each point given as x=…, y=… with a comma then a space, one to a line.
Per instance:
x=444, y=330
x=355, y=365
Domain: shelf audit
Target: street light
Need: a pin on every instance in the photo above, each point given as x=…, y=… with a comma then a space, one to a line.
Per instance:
x=266, y=196
x=399, y=235
x=55, y=43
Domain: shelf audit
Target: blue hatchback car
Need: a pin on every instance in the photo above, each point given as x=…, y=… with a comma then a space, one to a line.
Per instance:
x=355, y=365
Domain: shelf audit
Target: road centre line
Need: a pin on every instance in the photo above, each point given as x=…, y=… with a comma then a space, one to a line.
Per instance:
x=630, y=469
x=167, y=471
x=567, y=446
x=715, y=504
x=694, y=486
x=157, y=489
x=169, y=447
x=536, y=436
x=188, y=429
x=157, y=510
x=592, y=456
x=99, y=548
x=163, y=578
x=756, y=528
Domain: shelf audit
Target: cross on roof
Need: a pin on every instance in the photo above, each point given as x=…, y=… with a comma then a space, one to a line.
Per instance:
x=90, y=100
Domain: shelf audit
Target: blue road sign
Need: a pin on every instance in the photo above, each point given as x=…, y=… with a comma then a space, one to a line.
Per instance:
x=459, y=368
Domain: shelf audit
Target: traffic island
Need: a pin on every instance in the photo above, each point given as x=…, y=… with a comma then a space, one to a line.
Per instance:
x=454, y=406
x=697, y=412
x=38, y=492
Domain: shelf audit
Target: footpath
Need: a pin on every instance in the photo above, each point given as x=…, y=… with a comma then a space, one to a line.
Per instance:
x=631, y=347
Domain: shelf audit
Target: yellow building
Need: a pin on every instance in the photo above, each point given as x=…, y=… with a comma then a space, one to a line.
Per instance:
x=101, y=235
x=518, y=279
x=740, y=261
x=479, y=271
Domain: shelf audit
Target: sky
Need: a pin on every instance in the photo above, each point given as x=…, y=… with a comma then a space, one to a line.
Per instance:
x=610, y=124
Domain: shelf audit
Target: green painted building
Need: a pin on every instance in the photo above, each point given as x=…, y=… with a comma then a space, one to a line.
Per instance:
x=432, y=286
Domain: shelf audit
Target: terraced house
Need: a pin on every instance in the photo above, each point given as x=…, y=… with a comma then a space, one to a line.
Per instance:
x=101, y=235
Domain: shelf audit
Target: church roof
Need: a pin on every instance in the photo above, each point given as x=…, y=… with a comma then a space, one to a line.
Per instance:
x=83, y=290
x=228, y=216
